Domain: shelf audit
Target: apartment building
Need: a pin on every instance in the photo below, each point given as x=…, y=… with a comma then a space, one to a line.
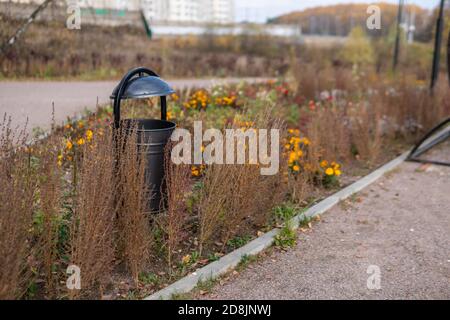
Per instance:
x=195, y=11
x=222, y=11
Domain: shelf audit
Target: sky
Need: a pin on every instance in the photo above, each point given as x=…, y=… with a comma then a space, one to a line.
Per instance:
x=260, y=10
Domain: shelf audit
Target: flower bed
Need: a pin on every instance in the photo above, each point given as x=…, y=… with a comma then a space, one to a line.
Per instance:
x=69, y=214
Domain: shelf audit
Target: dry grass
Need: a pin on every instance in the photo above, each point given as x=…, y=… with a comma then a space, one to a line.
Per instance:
x=92, y=230
x=49, y=49
x=104, y=229
x=333, y=144
x=365, y=131
x=49, y=211
x=133, y=227
x=237, y=198
x=175, y=219
x=17, y=190
x=368, y=111
x=211, y=203
x=301, y=186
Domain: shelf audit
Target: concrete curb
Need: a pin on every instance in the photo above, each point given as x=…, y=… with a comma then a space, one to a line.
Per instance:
x=231, y=260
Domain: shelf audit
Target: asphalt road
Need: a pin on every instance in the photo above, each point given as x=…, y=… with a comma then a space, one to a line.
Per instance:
x=397, y=230
x=34, y=99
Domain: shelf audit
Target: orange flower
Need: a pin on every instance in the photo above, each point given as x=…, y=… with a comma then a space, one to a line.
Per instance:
x=81, y=141
x=89, y=135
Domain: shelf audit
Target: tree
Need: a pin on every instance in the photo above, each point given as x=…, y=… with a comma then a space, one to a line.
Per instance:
x=358, y=49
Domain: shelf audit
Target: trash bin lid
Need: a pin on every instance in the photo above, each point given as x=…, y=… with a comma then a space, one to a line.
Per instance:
x=145, y=87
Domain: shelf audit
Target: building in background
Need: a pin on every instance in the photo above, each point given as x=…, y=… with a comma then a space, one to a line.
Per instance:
x=222, y=11
x=176, y=11
x=155, y=10
x=194, y=11
x=129, y=5
x=162, y=17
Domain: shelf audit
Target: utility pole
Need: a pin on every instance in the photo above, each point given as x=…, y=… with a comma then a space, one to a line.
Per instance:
x=411, y=26
x=448, y=57
x=437, y=46
x=397, y=37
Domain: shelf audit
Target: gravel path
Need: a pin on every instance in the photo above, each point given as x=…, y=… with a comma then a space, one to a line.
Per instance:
x=33, y=99
x=400, y=224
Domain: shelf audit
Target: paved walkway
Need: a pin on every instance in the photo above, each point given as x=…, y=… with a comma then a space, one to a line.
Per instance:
x=33, y=99
x=400, y=224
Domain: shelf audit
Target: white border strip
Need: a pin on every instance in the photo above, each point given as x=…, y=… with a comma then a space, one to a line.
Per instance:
x=231, y=260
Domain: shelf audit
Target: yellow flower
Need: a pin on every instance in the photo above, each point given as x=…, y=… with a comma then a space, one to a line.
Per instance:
x=324, y=163
x=80, y=124
x=195, y=171
x=329, y=171
x=287, y=146
x=69, y=145
x=299, y=153
x=81, y=141
x=296, y=168
x=337, y=172
x=60, y=160
x=186, y=259
x=292, y=157
x=294, y=140
x=89, y=135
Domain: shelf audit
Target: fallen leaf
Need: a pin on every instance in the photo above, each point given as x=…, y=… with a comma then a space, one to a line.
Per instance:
x=423, y=167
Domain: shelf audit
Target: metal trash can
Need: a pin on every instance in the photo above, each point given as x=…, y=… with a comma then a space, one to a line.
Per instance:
x=153, y=134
